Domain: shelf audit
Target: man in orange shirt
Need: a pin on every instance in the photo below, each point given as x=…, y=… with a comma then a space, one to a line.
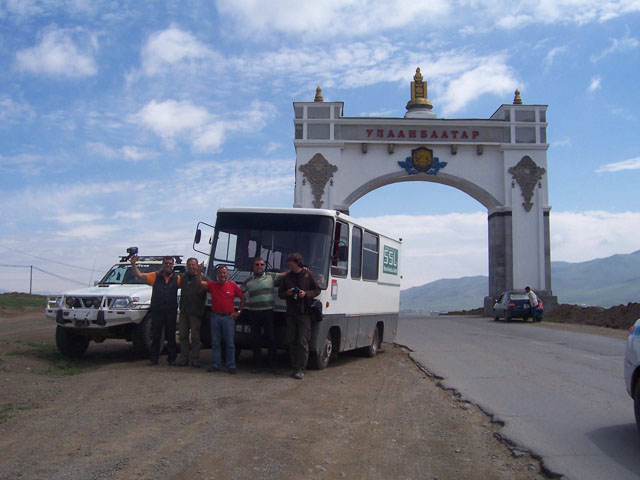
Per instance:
x=164, y=307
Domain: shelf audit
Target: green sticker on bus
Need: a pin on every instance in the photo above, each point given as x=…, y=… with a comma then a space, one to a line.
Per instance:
x=390, y=260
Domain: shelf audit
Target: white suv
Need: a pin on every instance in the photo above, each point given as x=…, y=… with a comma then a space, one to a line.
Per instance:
x=116, y=307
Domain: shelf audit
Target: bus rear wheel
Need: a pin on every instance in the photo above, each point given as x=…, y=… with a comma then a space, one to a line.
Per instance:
x=372, y=349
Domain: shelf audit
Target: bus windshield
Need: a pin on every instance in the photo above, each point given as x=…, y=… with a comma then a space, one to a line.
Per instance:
x=241, y=236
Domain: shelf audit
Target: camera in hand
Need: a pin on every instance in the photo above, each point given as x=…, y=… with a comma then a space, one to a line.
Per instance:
x=295, y=291
x=131, y=252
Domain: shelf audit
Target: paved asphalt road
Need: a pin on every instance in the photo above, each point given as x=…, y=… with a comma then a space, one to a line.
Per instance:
x=561, y=395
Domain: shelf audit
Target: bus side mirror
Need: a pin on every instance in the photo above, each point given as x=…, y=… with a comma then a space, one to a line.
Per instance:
x=198, y=236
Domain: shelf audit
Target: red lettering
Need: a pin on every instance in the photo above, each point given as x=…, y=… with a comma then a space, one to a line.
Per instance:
x=423, y=134
x=475, y=133
x=454, y=133
x=369, y=132
x=380, y=133
x=401, y=134
x=464, y=134
x=434, y=134
x=390, y=134
x=412, y=134
x=444, y=134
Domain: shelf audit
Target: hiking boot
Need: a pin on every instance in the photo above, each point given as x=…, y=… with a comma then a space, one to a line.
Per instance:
x=195, y=363
x=183, y=362
x=299, y=375
x=152, y=363
x=211, y=368
x=171, y=362
x=232, y=371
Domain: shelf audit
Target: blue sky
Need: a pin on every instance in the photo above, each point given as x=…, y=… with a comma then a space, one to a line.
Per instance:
x=125, y=123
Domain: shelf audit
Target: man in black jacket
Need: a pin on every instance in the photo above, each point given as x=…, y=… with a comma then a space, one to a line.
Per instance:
x=299, y=287
x=164, y=307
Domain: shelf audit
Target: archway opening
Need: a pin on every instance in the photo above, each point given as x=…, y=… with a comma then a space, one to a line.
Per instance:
x=445, y=236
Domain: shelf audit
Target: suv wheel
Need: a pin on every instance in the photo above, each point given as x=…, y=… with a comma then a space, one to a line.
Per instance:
x=71, y=343
x=142, y=337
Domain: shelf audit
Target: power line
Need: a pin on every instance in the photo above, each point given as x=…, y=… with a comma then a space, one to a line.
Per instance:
x=45, y=259
x=48, y=273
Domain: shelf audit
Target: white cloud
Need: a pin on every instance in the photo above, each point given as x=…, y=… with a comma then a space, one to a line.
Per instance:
x=330, y=17
x=578, y=237
x=26, y=163
x=340, y=18
x=631, y=164
x=170, y=47
x=170, y=118
x=58, y=55
x=595, y=84
x=491, y=76
x=77, y=218
x=174, y=120
x=14, y=111
x=550, y=57
x=562, y=142
x=135, y=154
x=128, y=152
x=617, y=45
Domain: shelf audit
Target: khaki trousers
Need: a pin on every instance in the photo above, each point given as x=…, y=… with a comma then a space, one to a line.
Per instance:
x=189, y=350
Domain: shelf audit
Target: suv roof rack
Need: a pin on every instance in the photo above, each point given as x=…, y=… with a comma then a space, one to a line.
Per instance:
x=152, y=258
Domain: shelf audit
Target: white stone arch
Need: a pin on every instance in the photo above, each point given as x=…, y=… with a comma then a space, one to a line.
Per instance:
x=474, y=191
x=500, y=161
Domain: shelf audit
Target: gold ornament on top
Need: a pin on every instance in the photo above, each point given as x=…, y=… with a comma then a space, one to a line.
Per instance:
x=517, y=100
x=419, y=93
x=318, y=95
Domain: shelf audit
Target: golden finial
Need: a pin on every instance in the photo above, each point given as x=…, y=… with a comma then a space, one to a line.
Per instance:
x=318, y=95
x=418, y=76
x=419, y=98
x=516, y=99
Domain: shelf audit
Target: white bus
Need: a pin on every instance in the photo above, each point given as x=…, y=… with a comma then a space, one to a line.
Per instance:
x=358, y=270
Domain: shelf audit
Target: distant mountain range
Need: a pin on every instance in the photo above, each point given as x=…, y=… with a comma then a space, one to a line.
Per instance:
x=604, y=282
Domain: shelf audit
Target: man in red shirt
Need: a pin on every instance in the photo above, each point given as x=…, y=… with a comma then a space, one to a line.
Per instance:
x=223, y=318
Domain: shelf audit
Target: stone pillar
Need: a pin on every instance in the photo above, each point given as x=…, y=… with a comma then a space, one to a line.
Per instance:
x=500, y=257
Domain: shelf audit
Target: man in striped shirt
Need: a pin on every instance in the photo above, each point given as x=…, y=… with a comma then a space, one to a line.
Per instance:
x=259, y=308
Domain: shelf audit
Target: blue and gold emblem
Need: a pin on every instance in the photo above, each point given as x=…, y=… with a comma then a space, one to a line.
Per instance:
x=422, y=160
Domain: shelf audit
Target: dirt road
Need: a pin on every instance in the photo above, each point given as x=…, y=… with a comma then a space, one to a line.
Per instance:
x=111, y=416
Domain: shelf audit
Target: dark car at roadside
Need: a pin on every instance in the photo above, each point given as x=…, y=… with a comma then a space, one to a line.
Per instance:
x=513, y=304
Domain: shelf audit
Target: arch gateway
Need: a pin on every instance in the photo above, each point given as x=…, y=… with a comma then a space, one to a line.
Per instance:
x=500, y=161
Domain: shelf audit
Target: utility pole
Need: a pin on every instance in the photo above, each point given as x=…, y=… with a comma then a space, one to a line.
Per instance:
x=30, y=278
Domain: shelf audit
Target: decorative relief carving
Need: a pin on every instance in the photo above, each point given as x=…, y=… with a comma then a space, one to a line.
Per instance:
x=527, y=174
x=318, y=171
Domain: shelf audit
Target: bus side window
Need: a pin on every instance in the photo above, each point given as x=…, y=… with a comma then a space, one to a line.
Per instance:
x=370, y=253
x=340, y=257
x=356, y=253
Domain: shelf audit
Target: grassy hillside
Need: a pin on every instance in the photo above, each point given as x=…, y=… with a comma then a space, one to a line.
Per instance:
x=22, y=300
x=604, y=282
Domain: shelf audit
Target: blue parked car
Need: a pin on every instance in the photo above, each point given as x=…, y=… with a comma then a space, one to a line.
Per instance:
x=515, y=304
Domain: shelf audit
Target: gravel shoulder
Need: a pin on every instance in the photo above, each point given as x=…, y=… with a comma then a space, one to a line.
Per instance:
x=110, y=416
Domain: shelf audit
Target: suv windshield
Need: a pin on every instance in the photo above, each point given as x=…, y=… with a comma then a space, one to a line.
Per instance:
x=123, y=274
x=240, y=236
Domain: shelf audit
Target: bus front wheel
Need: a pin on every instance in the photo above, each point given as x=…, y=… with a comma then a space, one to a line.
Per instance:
x=320, y=359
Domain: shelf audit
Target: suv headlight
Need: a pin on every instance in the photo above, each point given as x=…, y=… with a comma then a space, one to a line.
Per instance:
x=121, y=303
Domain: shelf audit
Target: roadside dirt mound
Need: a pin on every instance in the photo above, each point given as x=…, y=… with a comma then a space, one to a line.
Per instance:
x=620, y=316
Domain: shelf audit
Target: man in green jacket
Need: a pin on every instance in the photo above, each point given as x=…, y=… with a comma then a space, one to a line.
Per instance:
x=192, y=306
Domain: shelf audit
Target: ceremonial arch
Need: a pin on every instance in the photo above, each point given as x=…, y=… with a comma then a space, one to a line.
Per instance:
x=500, y=161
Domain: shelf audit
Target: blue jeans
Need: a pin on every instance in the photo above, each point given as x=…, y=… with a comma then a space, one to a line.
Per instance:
x=223, y=327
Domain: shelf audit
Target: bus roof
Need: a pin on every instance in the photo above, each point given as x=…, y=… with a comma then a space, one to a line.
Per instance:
x=303, y=211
